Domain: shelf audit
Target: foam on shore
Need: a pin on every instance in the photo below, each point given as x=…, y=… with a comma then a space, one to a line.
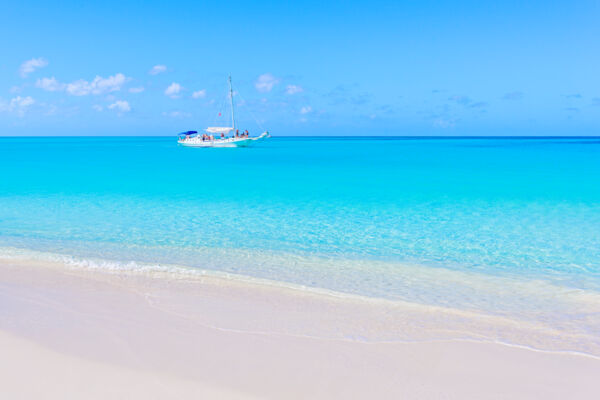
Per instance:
x=371, y=319
x=68, y=327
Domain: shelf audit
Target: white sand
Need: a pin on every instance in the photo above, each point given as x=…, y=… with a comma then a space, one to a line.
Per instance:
x=31, y=371
x=80, y=334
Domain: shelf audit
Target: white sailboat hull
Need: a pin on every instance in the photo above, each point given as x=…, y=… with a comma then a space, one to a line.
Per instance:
x=230, y=142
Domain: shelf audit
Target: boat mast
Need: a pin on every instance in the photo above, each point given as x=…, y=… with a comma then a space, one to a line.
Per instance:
x=231, y=99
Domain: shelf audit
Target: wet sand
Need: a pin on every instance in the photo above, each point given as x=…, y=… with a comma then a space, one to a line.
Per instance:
x=68, y=333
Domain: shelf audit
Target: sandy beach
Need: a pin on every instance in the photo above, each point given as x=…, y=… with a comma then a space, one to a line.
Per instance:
x=77, y=333
x=300, y=200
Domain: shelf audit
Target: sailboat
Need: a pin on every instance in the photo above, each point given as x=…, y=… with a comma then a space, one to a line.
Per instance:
x=217, y=136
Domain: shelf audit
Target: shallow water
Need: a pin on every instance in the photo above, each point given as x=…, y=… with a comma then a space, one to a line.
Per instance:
x=505, y=226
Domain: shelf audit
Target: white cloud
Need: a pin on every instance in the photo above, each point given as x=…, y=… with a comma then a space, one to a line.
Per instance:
x=50, y=84
x=177, y=114
x=82, y=87
x=31, y=65
x=98, y=86
x=136, y=89
x=199, y=94
x=120, y=106
x=51, y=109
x=22, y=101
x=17, y=105
x=305, y=110
x=97, y=107
x=173, y=90
x=157, y=69
x=293, y=89
x=265, y=82
x=16, y=89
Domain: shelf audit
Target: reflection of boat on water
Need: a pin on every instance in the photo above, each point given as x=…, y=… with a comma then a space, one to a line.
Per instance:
x=208, y=139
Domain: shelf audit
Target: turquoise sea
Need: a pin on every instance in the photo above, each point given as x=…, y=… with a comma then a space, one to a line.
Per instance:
x=505, y=227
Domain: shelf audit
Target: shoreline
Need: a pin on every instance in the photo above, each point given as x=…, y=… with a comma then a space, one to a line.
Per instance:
x=256, y=341
x=446, y=323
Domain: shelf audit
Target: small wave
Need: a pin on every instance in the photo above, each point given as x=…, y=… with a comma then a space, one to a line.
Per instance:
x=455, y=323
x=171, y=271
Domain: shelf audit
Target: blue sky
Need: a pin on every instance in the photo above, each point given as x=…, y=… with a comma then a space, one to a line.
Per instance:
x=303, y=68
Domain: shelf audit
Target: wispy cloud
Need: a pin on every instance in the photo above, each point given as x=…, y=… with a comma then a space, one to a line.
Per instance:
x=136, y=89
x=467, y=102
x=51, y=109
x=50, y=84
x=596, y=101
x=97, y=107
x=305, y=110
x=31, y=65
x=339, y=94
x=173, y=90
x=17, y=105
x=444, y=123
x=385, y=109
x=97, y=86
x=81, y=87
x=265, y=82
x=199, y=94
x=516, y=95
x=293, y=89
x=158, y=69
x=121, y=106
x=573, y=96
x=360, y=99
x=460, y=99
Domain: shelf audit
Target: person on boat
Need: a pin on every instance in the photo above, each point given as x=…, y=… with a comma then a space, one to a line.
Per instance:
x=246, y=133
x=222, y=135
